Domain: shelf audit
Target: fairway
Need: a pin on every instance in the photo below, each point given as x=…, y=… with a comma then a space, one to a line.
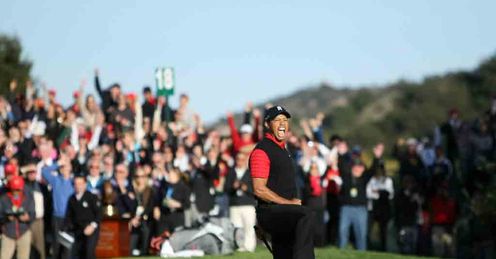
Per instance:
x=321, y=253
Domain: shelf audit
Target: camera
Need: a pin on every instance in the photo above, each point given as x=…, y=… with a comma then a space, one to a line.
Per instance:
x=16, y=211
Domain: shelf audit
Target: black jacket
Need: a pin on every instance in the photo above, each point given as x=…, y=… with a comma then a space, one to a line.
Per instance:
x=353, y=191
x=148, y=109
x=406, y=208
x=80, y=213
x=107, y=101
x=173, y=218
x=167, y=113
x=203, y=190
x=146, y=199
x=238, y=197
x=123, y=202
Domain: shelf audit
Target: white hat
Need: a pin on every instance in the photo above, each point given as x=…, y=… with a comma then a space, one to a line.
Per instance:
x=39, y=128
x=411, y=142
x=246, y=128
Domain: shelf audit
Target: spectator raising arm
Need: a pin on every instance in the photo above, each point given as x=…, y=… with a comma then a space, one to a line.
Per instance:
x=46, y=172
x=234, y=131
x=256, y=132
x=97, y=84
x=306, y=129
x=139, y=133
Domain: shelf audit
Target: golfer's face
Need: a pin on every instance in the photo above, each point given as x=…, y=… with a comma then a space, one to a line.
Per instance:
x=280, y=127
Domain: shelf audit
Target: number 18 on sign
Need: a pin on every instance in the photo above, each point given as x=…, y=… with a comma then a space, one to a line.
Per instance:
x=165, y=81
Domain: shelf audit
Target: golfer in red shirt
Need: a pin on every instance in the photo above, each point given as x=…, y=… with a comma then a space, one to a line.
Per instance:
x=279, y=211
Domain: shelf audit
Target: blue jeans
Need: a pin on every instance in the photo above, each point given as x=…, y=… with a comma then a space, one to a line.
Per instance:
x=355, y=216
x=222, y=200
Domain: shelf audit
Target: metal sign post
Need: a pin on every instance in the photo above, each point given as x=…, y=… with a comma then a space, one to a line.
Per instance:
x=165, y=83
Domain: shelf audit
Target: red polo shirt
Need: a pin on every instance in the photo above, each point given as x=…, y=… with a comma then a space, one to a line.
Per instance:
x=259, y=161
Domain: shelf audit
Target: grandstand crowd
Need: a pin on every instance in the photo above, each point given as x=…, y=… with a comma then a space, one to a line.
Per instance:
x=133, y=157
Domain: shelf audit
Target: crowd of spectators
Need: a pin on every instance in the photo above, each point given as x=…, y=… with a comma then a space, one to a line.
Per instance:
x=158, y=168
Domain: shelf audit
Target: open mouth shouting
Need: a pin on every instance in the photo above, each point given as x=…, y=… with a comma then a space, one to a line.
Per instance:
x=280, y=127
x=281, y=132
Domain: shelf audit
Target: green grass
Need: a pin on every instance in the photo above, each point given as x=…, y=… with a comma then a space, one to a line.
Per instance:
x=321, y=253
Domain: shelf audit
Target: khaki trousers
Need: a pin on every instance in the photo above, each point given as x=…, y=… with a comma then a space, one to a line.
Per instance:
x=38, y=239
x=21, y=245
x=245, y=217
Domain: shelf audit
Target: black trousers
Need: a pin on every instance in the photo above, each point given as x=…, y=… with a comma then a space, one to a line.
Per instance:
x=140, y=238
x=291, y=228
x=58, y=250
x=85, y=246
x=333, y=208
x=383, y=224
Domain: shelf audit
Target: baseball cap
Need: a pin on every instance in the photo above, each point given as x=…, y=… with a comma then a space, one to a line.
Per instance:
x=411, y=142
x=10, y=169
x=273, y=111
x=39, y=128
x=246, y=128
x=356, y=150
x=16, y=183
x=357, y=162
x=30, y=168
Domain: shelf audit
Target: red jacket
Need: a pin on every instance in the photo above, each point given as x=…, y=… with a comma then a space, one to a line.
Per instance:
x=238, y=143
x=315, y=185
x=332, y=186
x=442, y=210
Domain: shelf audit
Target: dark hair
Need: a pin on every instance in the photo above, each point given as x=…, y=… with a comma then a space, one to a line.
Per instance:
x=357, y=162
x=381, y=169
x=79, y=176
x=335, y=137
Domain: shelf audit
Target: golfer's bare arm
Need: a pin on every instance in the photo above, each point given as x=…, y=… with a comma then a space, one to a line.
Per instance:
x=263, y=192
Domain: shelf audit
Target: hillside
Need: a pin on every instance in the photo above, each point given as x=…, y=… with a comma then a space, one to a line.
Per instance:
x=402, y=109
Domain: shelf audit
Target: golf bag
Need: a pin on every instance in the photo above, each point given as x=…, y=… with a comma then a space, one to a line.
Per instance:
x=214, y=236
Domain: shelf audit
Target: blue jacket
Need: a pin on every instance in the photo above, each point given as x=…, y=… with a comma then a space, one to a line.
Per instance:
x=62, y=189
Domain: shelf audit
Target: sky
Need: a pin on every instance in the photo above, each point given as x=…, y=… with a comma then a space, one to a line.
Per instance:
x=226, y=53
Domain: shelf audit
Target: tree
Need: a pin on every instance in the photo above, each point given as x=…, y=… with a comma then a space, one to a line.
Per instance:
x=12, y=65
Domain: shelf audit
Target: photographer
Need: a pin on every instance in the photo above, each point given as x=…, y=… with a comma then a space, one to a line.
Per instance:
x=16, y=213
